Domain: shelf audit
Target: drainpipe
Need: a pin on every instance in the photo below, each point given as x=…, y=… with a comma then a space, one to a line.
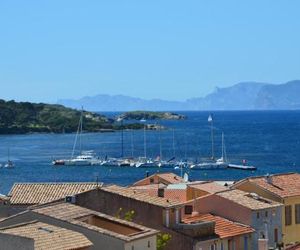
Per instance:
x=167, y=218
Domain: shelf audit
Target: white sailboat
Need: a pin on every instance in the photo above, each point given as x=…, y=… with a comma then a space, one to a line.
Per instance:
x=9, y=163
x=85, y=158
x=212, y=163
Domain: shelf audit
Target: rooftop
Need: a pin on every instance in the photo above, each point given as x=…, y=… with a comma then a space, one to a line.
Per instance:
x=249, y=200
x=38, y=193
x=99, y=222
x=209, y=187
x=141, y=196
x=223, y=228
x=282, y=185
x=46, y=236
x=165, y=178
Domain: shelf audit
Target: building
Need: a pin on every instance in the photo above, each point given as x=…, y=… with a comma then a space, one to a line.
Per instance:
x=36, y=235
x=103, y=231
x=23, y=195
x=163, y=214
x=283, y=188
x=261, y=214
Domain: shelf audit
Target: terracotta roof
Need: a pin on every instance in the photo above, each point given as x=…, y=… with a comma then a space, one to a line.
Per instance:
x=283, y=185
x=141, y=196
x=178, y=195
x=210, y=187
x=73, y=214
x=252, y=201
x=46, y=236
x=223, y=228
x=165, y=178
x=38, y=193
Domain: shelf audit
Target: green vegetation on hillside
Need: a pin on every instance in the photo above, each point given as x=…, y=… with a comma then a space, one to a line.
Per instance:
x=151, y=115
x=26, y=117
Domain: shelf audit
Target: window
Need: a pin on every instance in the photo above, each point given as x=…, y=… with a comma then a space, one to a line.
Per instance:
x=213, y=246
x=161, y=192
x=266, y=213
x=188, y=209
x=288, y=215
x=149, y=244
x=297, y=213
x=276, y=235
x=151, y=180
x=257, y=215
x=132, y=248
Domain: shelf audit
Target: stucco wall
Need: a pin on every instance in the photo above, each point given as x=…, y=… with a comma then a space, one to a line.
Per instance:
x=12, y=242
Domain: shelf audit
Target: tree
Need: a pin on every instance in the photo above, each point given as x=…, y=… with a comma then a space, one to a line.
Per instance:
x=162, y=240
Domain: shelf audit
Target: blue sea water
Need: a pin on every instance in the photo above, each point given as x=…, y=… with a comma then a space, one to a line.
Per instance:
x=269, y=140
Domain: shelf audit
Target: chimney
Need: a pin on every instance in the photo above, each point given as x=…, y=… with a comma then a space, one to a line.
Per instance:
x=268, y=178
x=262, y=244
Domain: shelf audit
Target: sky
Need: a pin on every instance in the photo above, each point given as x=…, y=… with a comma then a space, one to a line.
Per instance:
x=172, y=50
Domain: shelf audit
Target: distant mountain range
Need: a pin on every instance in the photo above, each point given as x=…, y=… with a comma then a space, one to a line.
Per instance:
x=241, y=96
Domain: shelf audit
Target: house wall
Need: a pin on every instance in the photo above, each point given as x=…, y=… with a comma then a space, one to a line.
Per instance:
x=12, y=242
x=193, y=193
x=291, y=233
x=220, y=206
x=142, y=244
x=265, y=225
x=110, y=203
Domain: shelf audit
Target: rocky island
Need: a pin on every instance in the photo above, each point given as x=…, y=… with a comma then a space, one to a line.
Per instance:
x=150, y=115
x=26, y=117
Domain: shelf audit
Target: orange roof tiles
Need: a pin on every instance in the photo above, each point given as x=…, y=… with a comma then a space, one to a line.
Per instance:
x=283, y=185
x=165, y=178
x=223, y=228
x=47, y=236
x=38, y=193
x=247, y=200
x=141, y=196
x=210, y=187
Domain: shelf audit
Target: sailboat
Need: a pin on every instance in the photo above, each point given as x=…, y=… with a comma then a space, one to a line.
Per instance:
x=9, y=163
x=212, y=163
x=85, y=158
x=144, y=162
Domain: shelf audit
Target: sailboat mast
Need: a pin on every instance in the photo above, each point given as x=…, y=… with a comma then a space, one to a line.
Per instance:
x=80, y=139
x=222, y=145
x=122, y=139
x=132, y=146
x=145, y=147
x=160, y=146
x=210, y=120
x=173, y=143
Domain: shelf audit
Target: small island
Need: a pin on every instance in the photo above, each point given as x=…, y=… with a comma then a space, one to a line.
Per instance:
x=150, y=115
x=27, y=117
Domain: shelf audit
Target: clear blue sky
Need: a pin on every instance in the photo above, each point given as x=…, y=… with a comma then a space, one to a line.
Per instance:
x=151, y=49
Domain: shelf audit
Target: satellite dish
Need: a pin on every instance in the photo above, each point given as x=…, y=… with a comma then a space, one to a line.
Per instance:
x=186, y=177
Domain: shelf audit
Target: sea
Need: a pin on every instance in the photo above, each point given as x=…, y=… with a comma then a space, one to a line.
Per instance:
x=268, y=140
